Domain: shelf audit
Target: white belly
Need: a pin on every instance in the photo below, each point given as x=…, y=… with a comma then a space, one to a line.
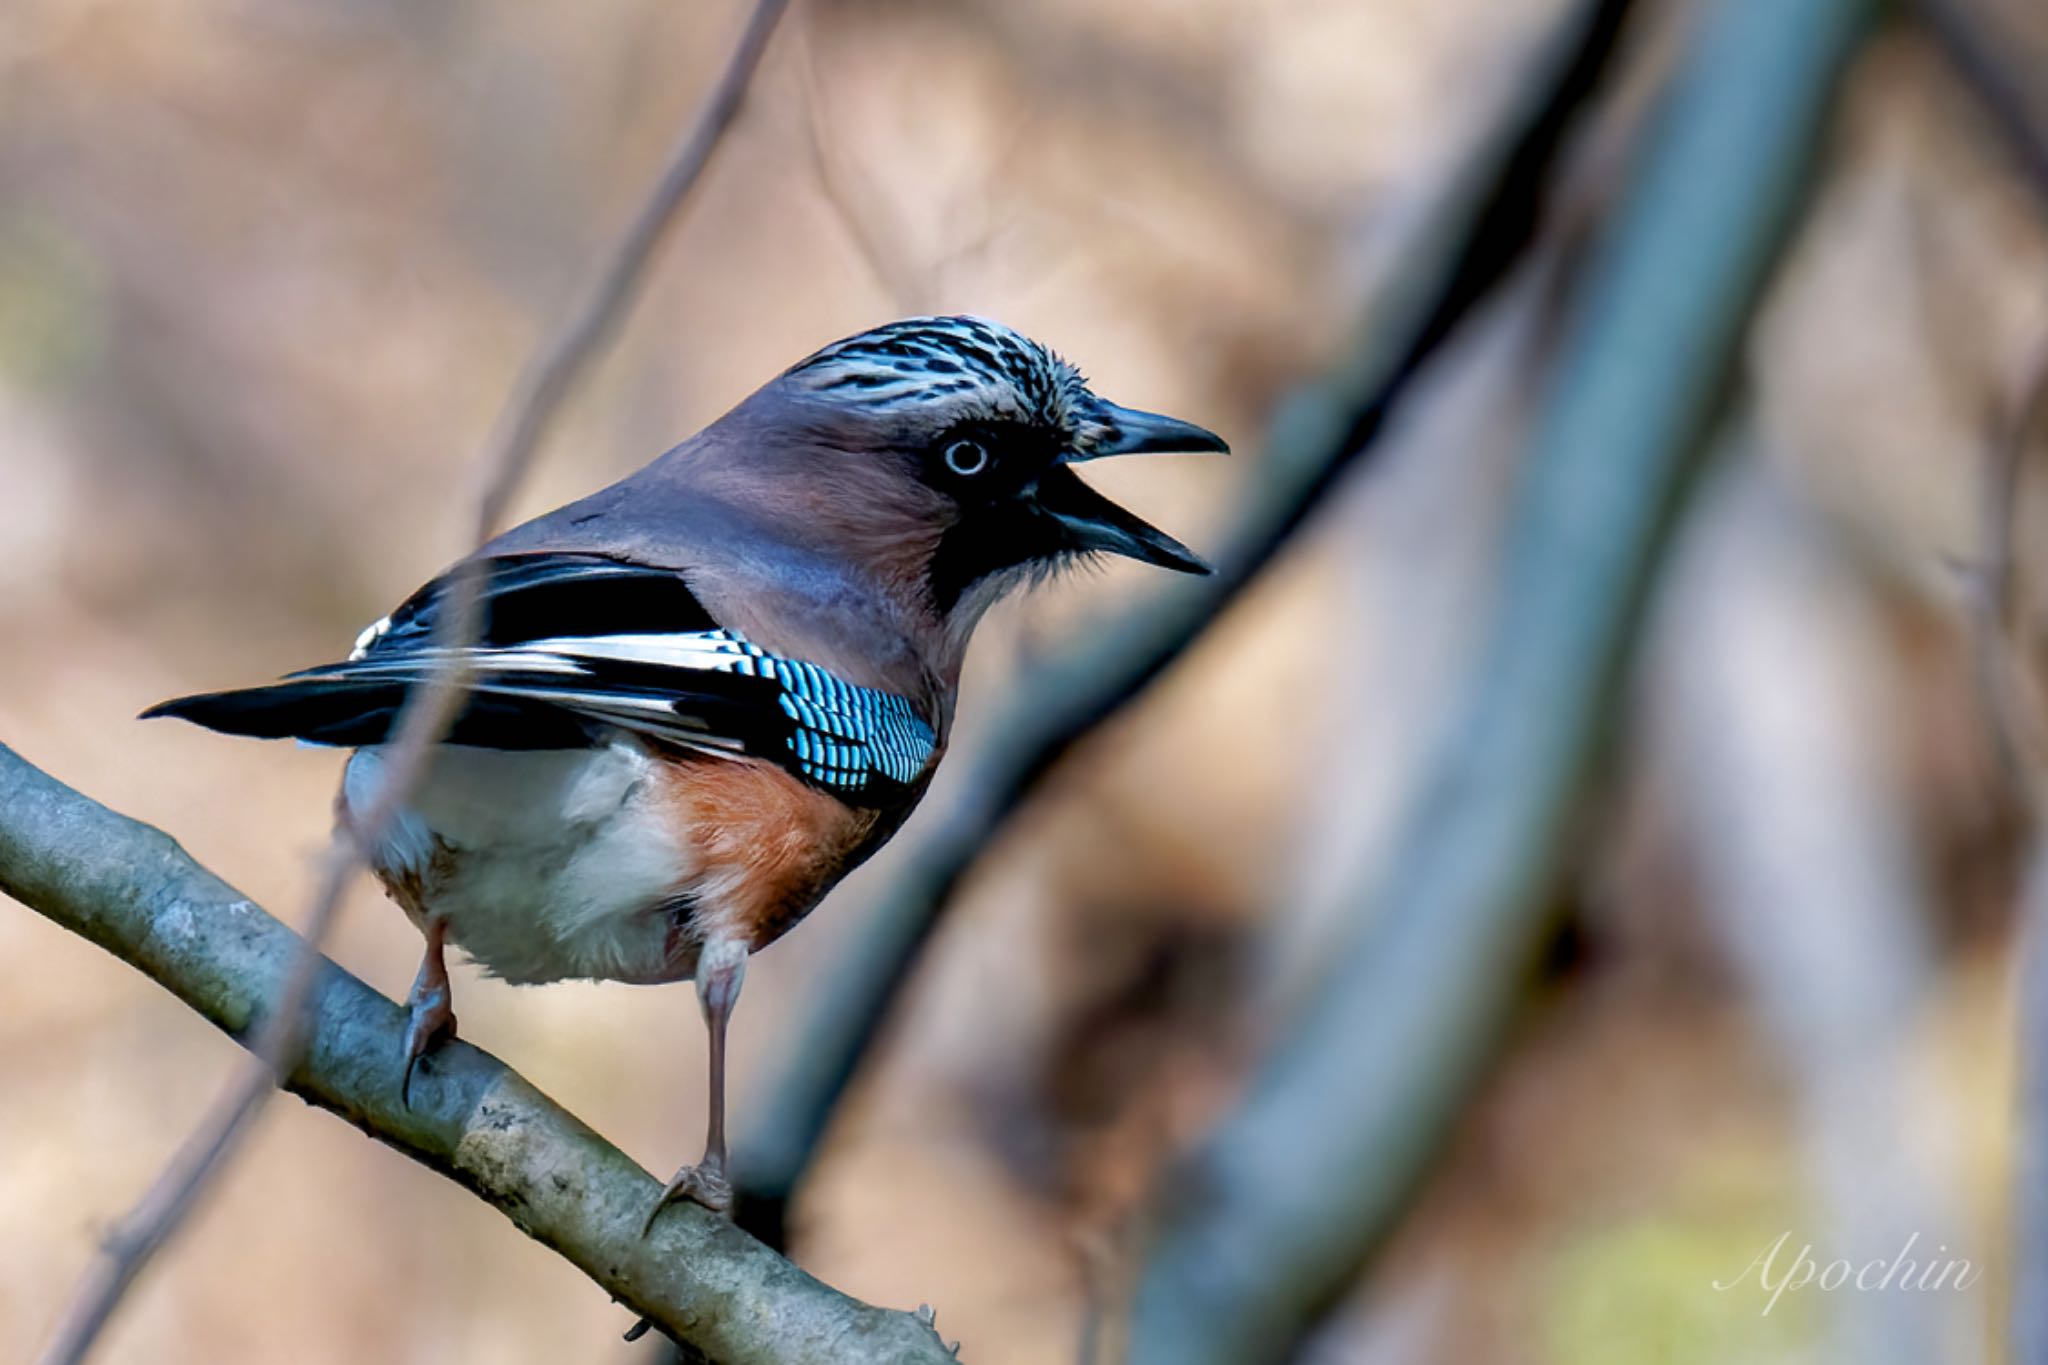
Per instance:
x=545, y=864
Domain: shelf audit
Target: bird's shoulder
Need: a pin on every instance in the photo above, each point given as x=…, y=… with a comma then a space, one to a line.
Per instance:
x=797, y=593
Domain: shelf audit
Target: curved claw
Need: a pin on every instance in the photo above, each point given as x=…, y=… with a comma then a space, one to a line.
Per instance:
x=704, y=1184
x=412, y=1062
x=432, y=1021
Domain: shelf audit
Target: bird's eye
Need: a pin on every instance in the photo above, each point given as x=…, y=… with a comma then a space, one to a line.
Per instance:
x=967, y=458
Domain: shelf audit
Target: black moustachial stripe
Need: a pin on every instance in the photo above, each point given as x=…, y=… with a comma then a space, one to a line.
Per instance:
x=577, y=647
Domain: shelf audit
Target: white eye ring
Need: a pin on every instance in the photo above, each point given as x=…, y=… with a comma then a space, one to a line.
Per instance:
x=967, y=458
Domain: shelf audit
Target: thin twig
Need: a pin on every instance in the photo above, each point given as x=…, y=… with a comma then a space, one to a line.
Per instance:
x=430, y=709
x=914, y=286
x=905, y=286
x=131, y=890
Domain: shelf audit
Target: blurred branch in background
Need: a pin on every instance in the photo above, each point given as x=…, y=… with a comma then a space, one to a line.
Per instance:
x=1970, y=34
x=2012, y=708
x=2028, y=1335
x=430, y=708
x=130, y=889
x=1473, y=240
x=1775, y=687
x=2011, y=703
x=881, y=250
x=1275, y=1212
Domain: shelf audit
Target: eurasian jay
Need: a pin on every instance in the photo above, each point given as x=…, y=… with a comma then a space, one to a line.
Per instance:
x=704, y=694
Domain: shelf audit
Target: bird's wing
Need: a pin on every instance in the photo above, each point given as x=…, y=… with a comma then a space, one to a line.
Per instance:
x=574, y=647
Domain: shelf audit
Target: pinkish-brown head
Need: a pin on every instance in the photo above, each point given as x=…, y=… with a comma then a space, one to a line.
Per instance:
x=978, y=428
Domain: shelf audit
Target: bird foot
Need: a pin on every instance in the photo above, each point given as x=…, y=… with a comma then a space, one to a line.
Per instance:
x=703, y=1184
x=431, y=1022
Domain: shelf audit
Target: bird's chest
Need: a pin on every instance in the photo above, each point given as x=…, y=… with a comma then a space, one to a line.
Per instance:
x=614, y=863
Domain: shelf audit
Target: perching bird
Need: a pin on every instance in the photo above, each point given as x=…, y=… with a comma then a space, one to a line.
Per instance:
x=704, y=694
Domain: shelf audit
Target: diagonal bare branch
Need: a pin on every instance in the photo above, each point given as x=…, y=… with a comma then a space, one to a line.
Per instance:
x=130, y=889
x=429, y=711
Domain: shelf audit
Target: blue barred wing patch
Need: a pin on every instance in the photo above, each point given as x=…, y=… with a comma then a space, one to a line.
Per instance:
x=841, y=736
x=843, y=732
x=844, y=735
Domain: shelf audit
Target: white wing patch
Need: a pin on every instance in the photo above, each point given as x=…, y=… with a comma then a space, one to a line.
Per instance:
x=840, y=736
x=371, y=634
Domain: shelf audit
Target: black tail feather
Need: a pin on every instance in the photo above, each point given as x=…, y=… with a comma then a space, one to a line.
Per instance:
x=355, y=714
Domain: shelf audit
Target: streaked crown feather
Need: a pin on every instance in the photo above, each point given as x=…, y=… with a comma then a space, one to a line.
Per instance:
x=960, y=368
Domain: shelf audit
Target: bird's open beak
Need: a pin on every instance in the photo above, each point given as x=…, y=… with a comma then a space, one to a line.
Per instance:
x=1148, y=433
x=1096, y=523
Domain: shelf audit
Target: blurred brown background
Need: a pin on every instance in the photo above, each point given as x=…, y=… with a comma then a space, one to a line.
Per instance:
x=266, y=269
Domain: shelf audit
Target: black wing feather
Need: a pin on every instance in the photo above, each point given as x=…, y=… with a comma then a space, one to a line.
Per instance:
x=524, y=598
x=355, y=714
x=565, y=692
x=535, y=597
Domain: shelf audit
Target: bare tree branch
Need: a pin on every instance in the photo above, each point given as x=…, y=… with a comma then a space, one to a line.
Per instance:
x=913, y=280
x=429, y=710
x=132, y=890
x=1473, y=240
x=1276, y=1210
x=906, y=286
